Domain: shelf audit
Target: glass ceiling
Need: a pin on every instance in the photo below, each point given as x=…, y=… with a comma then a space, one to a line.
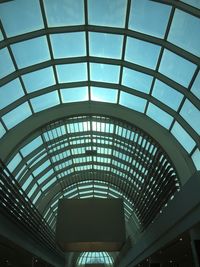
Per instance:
x=141, y=55
x=90, y=258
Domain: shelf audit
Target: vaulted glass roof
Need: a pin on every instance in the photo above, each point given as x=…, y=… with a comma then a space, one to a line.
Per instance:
x=138, y=55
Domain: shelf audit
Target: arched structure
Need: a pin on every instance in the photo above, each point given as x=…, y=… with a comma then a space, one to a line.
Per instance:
x=100, y=99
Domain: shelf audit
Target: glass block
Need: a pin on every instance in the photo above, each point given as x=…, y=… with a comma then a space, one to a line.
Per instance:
x=105, y=45
x=45, y=101
x=132, y=102
x=196, y=86
x=72, y=72
x=10, y=92
x=196, y=159
x=13, y=14
x=183, y=137
x=35, y=143
x=104, y=94
x=104, y=73
x=12, y=165
x=188, y=38
x=142, y=53
x=191, y=114
x=64, y=12
x=167, y=95
x=17, y=115
x=74, y=94
x=111, y=13
x=39, y=79
x=2, y=130
x=144, y=17
x=194, y=3
x=42, y=167
x=137, y=80
x=159, y=115
x=177, y=68
x=8, y=66
x=68, y=44
x=31, y=52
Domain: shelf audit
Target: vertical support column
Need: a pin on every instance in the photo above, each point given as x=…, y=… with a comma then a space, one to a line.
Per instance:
x=195, y=244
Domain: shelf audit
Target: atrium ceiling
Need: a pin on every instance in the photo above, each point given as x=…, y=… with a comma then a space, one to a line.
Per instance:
x=95, y=95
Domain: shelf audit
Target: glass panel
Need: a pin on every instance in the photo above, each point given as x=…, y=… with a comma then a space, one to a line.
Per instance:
x=42, y=167
x=107, y=12
x=37, y=197
x=177, y=68
x=144, y=17
x=27, y=182
x=160, y=116
x=188, y=38
x=183, y=137
x=142, y=53
x=191, y=114
x=194, y=3
x=27, y=149
x=196, y=86
x=74, y=94
x=48, y=184
x=136, y=80
x=10, y=92
x=104, y=94
x=8, y=66
x=132, y=102
x=167, y=95
x=17, y=115
x=31, y=52
x=14, y=162
x=72, y=72
x=64, y=12
x=38, y=79
x=13, y=14
x=45, y=101
x=104, y=73
x=32, y=190
x=105, y=45
x=2, y=130
x=68, y=44
x=196, y=158
x=45, y=176
x=1, y=36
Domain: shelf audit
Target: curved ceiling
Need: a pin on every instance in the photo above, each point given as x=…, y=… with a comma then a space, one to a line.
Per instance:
x=139, y=55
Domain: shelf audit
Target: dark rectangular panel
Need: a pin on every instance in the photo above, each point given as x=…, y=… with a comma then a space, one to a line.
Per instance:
x=90, y=224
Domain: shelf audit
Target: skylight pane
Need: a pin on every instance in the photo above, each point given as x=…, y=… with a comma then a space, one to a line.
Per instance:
x=47, y=185
x=37, y=197
x=104, y=94
x=10, y=92
x=27, y=182
x=32, y=190
x=13, y=14
x=142, y=53
x=196, y=86
x=68, y=44
x=17, y=115
x=39, y=79
x=72, y=72
x=132, y=102
x=31, y=52
x=188, y=38
x=42, y=167
x=27, y=149
x=104, y=73
x=14, y=162
x=160, y=116
x=1, y=36
x=105, y=45
x=74, y=94
x=136, y=80
x=45, y=176
x=191, y=114
x=45, y=101
x=183, y=137
x=2, y=130
x=167, y=95
x=64, y=12
x=114, y=12
x=144, y=17
x=7, y=67
x=177, y=68
x=194, y=3
x=196, y=158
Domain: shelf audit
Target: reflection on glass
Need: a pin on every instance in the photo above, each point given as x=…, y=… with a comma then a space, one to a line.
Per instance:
x=104, y=94
x=74, y=94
